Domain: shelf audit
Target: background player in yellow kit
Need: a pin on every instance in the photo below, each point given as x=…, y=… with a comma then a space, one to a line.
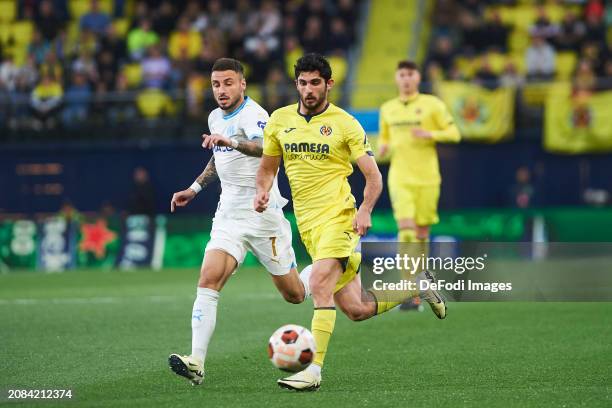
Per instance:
x=410, y=126
x=317, y=141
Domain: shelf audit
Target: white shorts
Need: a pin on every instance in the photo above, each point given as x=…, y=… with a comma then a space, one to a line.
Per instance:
x=266, y=235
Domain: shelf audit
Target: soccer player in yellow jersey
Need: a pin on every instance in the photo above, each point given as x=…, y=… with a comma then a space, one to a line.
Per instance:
x=410, y=126
x=317, y=141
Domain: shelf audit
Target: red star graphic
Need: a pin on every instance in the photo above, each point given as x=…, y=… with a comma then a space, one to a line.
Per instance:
x=96, y=237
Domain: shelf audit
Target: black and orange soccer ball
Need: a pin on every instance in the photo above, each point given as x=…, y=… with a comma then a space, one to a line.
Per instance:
x=291, y=348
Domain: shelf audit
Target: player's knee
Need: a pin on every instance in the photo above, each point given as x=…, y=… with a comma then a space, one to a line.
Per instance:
x=406, y=223
x=356, y=315
x=317, y=285
x=294, y=298
x=422, y=232
x=209, y=280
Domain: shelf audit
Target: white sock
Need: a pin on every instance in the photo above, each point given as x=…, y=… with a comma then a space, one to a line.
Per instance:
x=305, y=278
x=203, y=319
x=314, y=369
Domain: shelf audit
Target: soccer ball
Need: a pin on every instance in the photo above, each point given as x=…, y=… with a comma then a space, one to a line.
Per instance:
x=291, y=348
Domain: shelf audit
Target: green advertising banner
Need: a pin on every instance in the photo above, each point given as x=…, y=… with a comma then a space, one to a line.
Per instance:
x=179, y=241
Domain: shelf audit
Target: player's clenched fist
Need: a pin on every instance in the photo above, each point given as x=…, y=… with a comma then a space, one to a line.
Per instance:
x=210, y=141
x=181, y=198
x=362, y=222
x=261, y=201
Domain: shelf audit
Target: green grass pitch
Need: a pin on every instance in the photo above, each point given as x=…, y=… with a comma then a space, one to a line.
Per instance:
x=106, y=336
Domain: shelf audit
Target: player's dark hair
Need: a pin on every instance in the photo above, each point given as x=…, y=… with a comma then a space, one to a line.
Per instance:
x=406, y=64
x=228, y=64
x=313, y=62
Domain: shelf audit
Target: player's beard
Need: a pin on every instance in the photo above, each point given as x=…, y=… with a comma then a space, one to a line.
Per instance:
x=232, y=105
x=315, y=105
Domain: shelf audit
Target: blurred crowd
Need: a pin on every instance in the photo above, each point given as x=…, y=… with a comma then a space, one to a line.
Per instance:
x=78, y=65
x=509, y=43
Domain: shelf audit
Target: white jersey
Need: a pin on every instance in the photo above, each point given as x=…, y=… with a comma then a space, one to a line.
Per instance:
x=237, y=171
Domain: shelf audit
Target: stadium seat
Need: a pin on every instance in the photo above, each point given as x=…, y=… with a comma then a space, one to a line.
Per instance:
x=133, y=73
x=20, y=54
x=535, y=94
x=466, y=66
x=506, y=14
x=121, y=26
x=73, y=31
x=518, y=41
x=246, y=69
x=339, y=67
x=524, y=16
x=77, y=8
x=497, y=61
x=152, y=103
x=128, y=8
x=5, y=32
x=566, y=63
x=254, y=92
x=389, y=34
x=22, y=31
x=290, y=60
x=518, y=59
x=8, y=11
x=194, y=44
x=106, y=6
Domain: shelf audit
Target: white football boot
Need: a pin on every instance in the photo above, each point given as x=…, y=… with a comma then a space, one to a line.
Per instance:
x=188, y=367
x=433, y=297
x=305, y=380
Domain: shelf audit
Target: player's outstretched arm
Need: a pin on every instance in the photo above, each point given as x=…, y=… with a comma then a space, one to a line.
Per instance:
x=250, y=147
x=373, y=188
x=268, y=167
x=182, y=198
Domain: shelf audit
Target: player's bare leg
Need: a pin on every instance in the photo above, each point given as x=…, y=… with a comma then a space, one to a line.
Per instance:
x=407, y=230
x=216, y=269
x=422, y=232
x=358, y=304
x=354, y=302
x=433, y=298
x=290, y=286
x=323, y=278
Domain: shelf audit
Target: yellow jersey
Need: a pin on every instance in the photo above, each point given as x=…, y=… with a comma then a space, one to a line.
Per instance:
x=415, y=161
x=317, y=152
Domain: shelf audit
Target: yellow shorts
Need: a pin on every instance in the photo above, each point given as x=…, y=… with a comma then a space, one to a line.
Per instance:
x=335, y=239
x=419, y=203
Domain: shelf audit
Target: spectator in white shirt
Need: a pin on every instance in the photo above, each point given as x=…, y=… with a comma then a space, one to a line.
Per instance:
x=156, y=69
x=540, y=60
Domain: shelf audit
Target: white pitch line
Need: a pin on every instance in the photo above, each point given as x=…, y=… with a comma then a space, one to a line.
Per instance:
x=91, y=300
x=116, y=299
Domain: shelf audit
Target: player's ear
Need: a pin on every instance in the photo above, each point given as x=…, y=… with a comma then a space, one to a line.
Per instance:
x=330, y=83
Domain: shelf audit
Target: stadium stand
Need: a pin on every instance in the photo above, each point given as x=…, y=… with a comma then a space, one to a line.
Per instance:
x=387, y=40
x=538, y=41
x=110, y=43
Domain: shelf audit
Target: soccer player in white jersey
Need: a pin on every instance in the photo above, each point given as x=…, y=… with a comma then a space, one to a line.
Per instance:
x=236, y=139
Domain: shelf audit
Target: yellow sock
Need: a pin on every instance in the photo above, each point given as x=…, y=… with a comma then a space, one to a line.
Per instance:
x=407, y=235
x=323, y=321
x=382, y=307
x=386, y=301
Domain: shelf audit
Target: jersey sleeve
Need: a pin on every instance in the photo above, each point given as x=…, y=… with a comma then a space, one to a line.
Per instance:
x=253, y=123
x=447, y=130
x=271, y=144
x=357, y=140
